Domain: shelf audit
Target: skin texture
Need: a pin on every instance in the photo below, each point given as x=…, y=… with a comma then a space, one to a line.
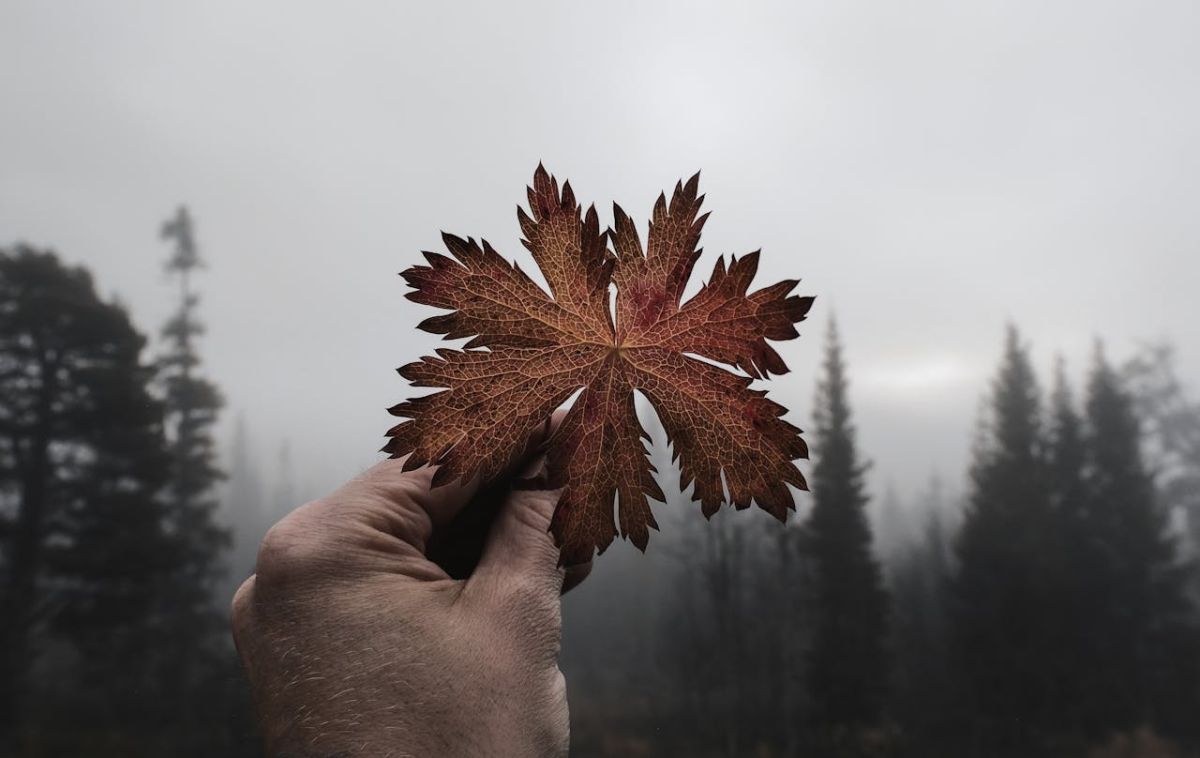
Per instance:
x=357, y=644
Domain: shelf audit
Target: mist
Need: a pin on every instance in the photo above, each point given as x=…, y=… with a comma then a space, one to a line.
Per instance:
x=932, y=173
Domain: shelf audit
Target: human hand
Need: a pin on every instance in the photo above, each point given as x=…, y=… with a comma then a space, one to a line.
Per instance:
x=356, y=643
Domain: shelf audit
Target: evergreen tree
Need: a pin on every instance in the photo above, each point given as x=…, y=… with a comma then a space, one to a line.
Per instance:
x=195, y=662
x=1000, y=595
x=787, y=598
x=848, y=667
x=1073, y=555
x=1067, y=451
x=192, y=406
x=1171, y=422
x=924, y=697
x=1170, y=418
x=1147, y=640
x=81, y=464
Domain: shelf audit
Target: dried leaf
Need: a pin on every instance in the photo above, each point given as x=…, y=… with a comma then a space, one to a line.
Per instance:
x=530, y=350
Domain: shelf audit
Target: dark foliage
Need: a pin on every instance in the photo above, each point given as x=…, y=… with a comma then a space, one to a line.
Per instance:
x=848, y=670
x=113, y=645
x=1054, y=616
x=1071, y=619
x=1051, y=619
x=925, y=688
x=1145, y=631
x=1002, y=602
x=200, y=675
x=81, y=463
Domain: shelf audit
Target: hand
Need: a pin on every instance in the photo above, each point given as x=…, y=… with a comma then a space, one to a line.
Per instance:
x=357, y=644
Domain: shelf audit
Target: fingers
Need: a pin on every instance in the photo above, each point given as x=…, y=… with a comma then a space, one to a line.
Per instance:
x=404, y=504
x=520, y=545
x=520, y=549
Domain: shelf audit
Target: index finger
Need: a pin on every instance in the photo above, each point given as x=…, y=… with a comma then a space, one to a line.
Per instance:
x=406, y=504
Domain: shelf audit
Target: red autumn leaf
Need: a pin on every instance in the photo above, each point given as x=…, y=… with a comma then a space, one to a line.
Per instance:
x=541, y=348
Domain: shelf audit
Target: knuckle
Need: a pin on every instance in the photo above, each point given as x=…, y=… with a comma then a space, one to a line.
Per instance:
x=290, y=549
x=535, y=508
x=239, y=606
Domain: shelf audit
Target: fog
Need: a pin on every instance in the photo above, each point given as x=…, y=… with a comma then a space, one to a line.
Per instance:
x=930, y=171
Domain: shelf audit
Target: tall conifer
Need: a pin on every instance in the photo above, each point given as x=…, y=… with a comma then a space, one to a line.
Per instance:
x=1144, y=635
x=195, y=650
x=1001, y=603
x=81, y=465
x=1072, y=581
x=848, y=666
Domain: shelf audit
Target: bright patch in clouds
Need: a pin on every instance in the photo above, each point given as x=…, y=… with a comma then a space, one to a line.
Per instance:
x=917, y=375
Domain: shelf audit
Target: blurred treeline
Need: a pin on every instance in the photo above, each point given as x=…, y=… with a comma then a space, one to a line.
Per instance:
x=1049, y=610
x=113, y=630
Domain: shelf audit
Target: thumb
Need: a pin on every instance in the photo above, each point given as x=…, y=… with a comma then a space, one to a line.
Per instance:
x=520, y=554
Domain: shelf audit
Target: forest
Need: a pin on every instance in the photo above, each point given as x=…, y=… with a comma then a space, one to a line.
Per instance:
x=1052, y=608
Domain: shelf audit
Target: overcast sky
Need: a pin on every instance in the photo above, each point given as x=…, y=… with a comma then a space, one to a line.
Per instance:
x=929, y=169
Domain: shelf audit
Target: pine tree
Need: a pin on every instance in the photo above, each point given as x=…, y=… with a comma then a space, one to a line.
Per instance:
x=848, y=667
x=1001, y=602
x=1170, y=419
x=195, y=655
x=788, y=599
x=81, y=464
x=923, y=694
x=192, y=406
x=1073, y=584
x=1147, y=640
x=1067, y=453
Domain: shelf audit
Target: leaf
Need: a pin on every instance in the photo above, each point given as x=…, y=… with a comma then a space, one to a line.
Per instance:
x=529, y=351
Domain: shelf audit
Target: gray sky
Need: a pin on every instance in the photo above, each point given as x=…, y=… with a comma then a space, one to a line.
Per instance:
x=930, y=169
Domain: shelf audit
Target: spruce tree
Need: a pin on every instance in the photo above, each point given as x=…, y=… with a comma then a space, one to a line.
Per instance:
x=1000, y=600
x=1149, y=658
x=848, y=666
x=1067, y=451
x=1073, y=555
x=1170, y=420
x=194, y=661
x=924, y=698
x=192, y=407
x=81, y=464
